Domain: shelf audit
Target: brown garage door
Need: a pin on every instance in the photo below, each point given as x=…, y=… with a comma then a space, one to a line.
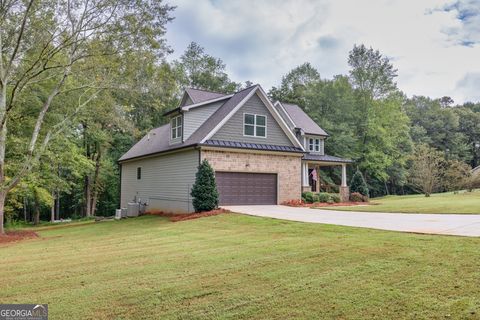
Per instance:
x=238, y=188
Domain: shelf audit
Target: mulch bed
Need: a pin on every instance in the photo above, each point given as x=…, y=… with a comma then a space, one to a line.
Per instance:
x=175, y=217
x=17, y=235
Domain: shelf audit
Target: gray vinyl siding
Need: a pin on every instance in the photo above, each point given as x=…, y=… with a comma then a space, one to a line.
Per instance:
x=285, y=117
x=195, y=117
x=186, y=100
x=165, y=183
x=232, y=130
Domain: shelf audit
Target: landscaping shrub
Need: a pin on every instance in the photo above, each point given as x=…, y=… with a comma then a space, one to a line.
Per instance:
x=358, y=184
x=204, y=190
x=323, y=197
x=308, y=196
x=358, y=197
x=335, y=198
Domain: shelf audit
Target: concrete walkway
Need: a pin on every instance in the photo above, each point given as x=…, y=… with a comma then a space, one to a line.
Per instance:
x=451, y=224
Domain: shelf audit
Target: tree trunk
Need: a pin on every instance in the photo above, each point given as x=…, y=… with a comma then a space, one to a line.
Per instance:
x=88, y=196
x=24, y=209
x=2, y=207
x=57, y=198
x=52, y=208
x=36, y=219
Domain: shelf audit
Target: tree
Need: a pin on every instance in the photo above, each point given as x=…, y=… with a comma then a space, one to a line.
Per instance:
x=457, y=175
x=358, y=184
x=426, y=170
x=200, y=70
x=204, y=190
x=295, y=84
x=371, y=72
x=45, y=43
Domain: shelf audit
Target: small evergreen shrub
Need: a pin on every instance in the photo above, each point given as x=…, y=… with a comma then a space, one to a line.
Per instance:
x=323, y=197
x=358, y=184
x=335, y=198
x=204, y=190
x=308, y=196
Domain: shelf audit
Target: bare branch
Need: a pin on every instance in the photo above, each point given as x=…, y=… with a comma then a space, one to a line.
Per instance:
x=19, y=39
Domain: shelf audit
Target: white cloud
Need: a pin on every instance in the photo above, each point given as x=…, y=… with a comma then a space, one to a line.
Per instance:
x=434, y=44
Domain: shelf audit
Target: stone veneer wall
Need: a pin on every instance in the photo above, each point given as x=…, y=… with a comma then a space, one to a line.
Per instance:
x=286, y=167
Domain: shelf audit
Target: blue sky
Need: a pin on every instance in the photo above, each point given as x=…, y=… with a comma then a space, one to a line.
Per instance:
x=434, y=44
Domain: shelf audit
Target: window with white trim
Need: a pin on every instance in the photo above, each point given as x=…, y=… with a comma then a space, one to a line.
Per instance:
x=254, y=125
x=313, y=145
x=176, y=125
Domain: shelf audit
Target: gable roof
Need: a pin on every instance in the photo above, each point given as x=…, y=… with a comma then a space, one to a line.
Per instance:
x=302, y=120
x=156, y=141
x=199, y=95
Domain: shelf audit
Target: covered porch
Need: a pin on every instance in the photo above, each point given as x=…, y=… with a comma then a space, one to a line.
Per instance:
x=311, y=178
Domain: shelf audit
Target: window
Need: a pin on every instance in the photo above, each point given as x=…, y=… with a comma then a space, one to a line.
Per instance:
x=139, y=173
x=313, y=145
x=254, y=125
x=176, y=124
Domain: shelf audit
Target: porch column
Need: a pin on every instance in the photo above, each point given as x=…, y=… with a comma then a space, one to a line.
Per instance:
x=344, y=175
x=344, y=190
x=317, y=184
x=305, y=185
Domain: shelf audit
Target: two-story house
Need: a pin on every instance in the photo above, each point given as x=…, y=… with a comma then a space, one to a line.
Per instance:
x=262, y=152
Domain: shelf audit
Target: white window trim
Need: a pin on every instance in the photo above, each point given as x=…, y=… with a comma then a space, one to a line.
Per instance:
x=178, y=126
x=255, y=125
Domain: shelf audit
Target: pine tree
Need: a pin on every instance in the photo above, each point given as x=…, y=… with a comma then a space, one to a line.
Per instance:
x=204, y=191
x=358, y=184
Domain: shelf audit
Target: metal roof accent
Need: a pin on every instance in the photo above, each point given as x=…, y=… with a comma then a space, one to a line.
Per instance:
x=254, y=146
x=325, y=158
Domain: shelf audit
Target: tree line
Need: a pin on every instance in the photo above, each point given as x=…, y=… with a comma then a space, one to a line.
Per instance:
x=81, y=81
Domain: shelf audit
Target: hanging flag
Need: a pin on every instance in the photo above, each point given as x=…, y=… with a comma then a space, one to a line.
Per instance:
x=314, y=174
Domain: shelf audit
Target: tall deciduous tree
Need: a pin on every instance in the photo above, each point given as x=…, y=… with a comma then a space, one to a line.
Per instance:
x=47, y=42
x=427, y=169
x=199, y=70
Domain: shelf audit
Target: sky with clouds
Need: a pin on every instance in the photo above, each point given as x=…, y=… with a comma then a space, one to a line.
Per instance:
x=434, y=44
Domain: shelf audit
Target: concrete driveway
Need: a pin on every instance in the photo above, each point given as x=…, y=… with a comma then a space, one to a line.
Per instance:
x=451, y=224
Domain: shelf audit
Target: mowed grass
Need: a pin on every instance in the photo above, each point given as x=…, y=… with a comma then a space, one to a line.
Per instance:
x=240, y=267
x=461, y=203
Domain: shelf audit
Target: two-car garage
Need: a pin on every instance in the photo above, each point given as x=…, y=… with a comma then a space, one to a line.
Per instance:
x=246, y=188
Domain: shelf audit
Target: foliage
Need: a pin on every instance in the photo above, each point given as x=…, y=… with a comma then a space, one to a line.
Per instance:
x=308, y=197
x=324, y=197
x=358, y=184
x=204, y=190
x=358, y=197
x=426, y=170
x=200, y=70
x=457, y=175
x=335, y=197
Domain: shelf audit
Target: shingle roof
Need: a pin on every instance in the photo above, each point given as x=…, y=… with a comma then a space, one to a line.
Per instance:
x=325, y=158
x=302, y=120
x=221, y=113
x=198, y=95
x=255, y=146
x=157, y=140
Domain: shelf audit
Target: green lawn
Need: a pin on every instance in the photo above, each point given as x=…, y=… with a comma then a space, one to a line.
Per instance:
x=464, y=202
x=240, y=267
